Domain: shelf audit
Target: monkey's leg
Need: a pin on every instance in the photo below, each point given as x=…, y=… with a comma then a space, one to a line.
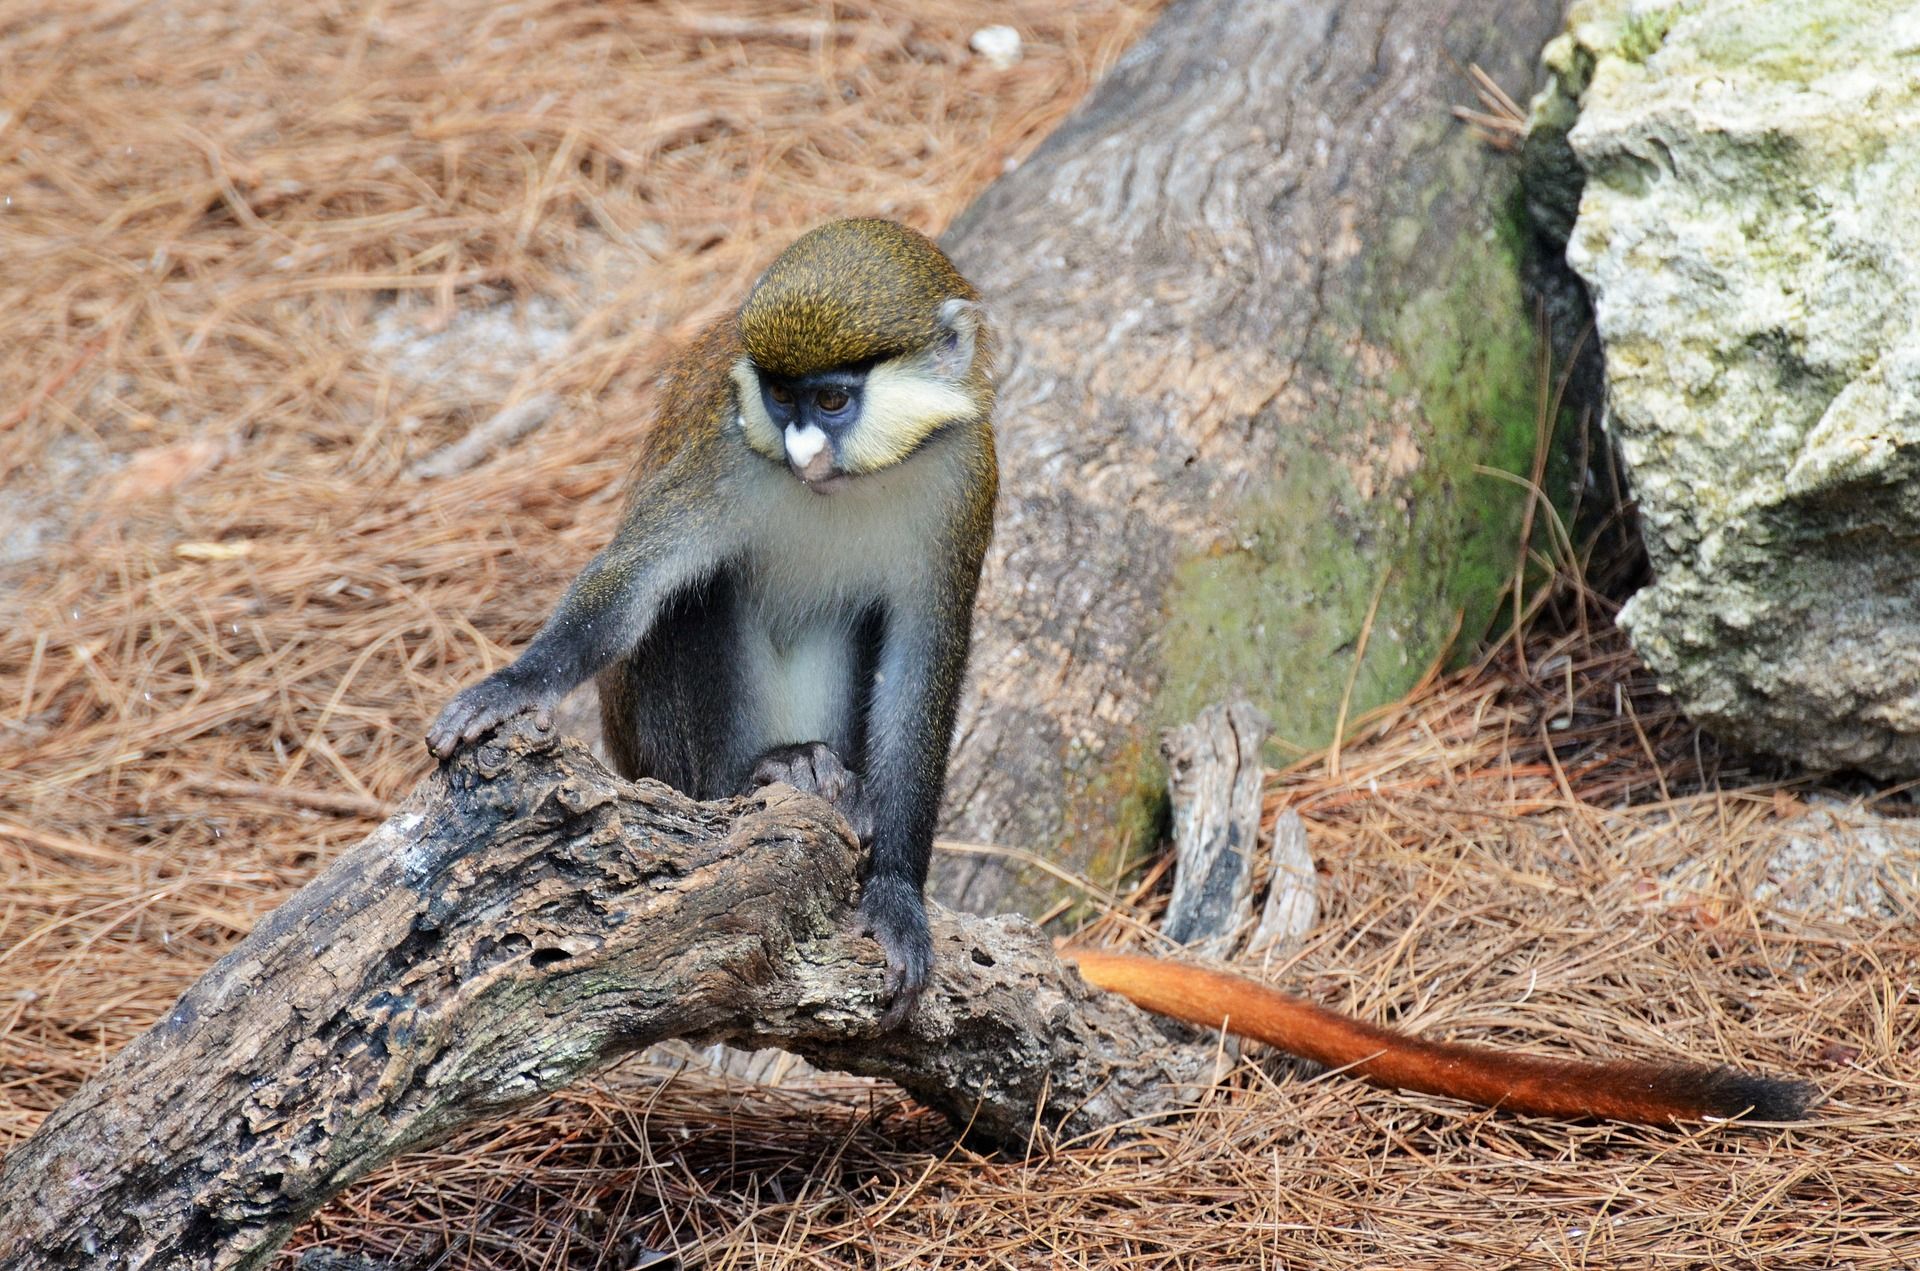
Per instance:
x=813, y=767
x=669, y=707
x=891, y=913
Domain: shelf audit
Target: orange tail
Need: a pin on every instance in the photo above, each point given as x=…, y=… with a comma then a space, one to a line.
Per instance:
x=1649, y=1093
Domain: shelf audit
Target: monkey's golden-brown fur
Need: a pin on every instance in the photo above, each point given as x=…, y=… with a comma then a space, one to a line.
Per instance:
x=803, y=316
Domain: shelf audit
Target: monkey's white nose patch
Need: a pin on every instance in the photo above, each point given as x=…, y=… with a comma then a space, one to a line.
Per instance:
x=804, y=443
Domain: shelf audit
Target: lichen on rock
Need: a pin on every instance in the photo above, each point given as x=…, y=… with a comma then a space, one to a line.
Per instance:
x=1745, y=182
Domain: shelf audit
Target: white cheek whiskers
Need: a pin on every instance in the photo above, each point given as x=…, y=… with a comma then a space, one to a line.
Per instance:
x=905, y=400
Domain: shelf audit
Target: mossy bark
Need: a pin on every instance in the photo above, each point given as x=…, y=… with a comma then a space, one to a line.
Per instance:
x=1266, y=335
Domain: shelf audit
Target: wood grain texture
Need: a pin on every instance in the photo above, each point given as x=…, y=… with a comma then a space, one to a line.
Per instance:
x=523, y=919
x=1293, y=895
x=1214, y=779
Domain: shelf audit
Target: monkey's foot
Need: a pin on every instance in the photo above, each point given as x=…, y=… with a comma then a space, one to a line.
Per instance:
x=813, y=768
x=482, y=706
x=892, y=912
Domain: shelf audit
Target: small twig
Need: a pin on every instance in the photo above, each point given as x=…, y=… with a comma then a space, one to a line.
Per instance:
x=1494, y=95
x=1501, y=123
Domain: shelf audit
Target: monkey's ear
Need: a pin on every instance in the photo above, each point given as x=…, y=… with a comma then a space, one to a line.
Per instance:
x=954, y=347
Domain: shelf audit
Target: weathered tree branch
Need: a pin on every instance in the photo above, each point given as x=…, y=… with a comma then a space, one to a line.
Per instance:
x=523, y=919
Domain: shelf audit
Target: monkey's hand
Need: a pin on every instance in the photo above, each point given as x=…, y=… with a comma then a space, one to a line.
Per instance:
x=479, y=707
x=812, y=767
x=892, y=912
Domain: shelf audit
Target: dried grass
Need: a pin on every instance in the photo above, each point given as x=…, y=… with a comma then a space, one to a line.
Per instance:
x=242, y=613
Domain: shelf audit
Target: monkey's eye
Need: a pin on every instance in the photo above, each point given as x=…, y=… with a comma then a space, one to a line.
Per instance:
x=830, y=400
x=780, y=393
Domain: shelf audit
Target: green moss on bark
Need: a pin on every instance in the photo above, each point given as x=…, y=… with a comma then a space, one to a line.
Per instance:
x=1279, y=613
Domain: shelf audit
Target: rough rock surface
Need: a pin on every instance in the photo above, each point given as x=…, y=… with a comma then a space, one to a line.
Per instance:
x=1747, y=228
x=1839, y=860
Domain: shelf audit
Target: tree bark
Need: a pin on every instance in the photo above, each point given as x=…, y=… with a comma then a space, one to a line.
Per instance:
x=1264, y=327
x=524, y=918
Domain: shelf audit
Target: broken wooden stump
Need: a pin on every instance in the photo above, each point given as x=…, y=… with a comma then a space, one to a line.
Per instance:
x=1214, y=782
x=523, y=919
x=1293, y=895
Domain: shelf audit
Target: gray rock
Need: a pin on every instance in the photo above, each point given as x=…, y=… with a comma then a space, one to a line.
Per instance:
x=1837, y=861
x=1845, y=862
x=1749, y=231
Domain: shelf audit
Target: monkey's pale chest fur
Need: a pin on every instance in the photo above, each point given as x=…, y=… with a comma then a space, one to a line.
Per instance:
x=818, y=567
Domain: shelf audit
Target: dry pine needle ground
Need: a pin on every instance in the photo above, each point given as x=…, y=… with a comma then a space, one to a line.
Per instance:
x=257, y=261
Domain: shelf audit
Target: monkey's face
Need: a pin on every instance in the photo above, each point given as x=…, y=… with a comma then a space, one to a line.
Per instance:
x=859, y=345
x=815, y=414
x=834, y=425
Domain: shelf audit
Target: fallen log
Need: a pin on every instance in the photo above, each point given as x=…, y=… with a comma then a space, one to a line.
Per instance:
x=523, y=919
x=1266, y=350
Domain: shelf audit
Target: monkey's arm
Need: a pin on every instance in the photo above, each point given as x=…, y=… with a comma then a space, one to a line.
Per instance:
x=667, y=540
x=909, y=726
x=1626, y=1090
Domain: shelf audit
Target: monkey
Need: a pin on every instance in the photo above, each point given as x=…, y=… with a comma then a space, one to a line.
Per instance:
x=1647, y=1093
x=789, y=594
x=789, y=597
